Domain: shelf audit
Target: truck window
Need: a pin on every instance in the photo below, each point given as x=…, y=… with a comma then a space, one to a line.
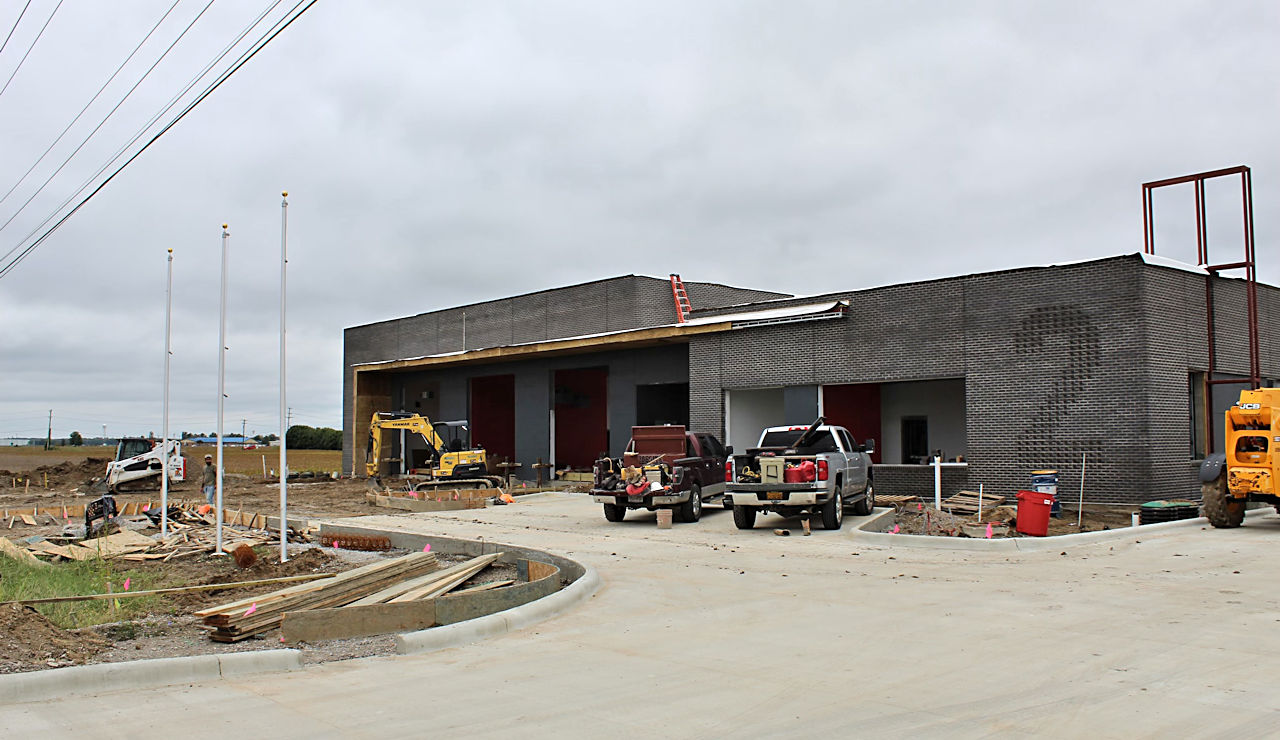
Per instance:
x=710, y=446
x=781, y=438
x=846, y=441
x=826, y=442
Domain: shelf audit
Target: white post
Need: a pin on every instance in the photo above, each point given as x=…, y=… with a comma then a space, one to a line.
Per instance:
x=222, y=382
x=164, y=424
x=937, y=483
x=552, y=455
x=1084, y=458
x=284, y=463
x=979, y=502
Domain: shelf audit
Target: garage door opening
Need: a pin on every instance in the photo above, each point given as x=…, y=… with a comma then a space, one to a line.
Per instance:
x=493, y=416
x=855, y=407
x=581, y=416
x=663, y=403
x=923, y=418
x=748, y=412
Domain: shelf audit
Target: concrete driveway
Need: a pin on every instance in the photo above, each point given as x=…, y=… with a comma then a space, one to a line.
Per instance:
x=705, y=631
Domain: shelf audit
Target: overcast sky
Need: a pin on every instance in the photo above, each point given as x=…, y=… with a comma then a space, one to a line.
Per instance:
x=439, y=153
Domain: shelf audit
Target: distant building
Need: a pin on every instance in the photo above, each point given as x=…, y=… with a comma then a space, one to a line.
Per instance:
x=14, y=442
x=226, y=440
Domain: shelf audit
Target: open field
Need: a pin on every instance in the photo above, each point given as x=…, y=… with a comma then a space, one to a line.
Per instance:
x=235, y=459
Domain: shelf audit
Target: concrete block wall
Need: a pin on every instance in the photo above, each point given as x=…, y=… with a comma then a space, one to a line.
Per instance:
x=615, y=304
x=1057, y=362
x=1177, y=340
x=533, y=398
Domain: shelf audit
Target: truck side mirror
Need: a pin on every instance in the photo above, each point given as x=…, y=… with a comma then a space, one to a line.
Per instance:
x=869, y=445
x=728, y=450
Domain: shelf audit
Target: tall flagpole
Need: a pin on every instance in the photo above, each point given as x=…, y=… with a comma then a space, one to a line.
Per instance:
x=222, y=378
x=164, y=476
x=284, y=461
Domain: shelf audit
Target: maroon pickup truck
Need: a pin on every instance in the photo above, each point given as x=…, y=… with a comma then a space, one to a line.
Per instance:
x=664, y=467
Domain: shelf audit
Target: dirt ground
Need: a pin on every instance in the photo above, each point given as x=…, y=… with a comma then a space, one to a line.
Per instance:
x=29, y=641
x=69, y=483
x=923, y=519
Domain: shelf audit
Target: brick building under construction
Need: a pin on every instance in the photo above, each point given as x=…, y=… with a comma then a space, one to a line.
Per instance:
x=1005, y=372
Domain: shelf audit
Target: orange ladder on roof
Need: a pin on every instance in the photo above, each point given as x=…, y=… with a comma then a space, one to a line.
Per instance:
x=683, y=308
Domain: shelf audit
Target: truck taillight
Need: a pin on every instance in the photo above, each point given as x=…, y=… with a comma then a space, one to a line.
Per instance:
x=728, y=471
x=822, y=470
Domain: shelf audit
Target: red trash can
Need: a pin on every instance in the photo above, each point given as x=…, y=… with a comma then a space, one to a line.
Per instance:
x=1033, y=512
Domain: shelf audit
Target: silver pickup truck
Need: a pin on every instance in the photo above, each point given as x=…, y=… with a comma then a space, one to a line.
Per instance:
x=801, y=470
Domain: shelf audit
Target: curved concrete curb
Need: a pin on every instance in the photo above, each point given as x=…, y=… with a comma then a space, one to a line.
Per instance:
x=1026, y=544
x=461, y=633
x=101, y=677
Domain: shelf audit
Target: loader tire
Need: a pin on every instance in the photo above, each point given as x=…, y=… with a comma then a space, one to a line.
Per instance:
x=1221, y=510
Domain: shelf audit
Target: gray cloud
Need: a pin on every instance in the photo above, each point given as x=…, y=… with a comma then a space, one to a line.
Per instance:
x=441, y=153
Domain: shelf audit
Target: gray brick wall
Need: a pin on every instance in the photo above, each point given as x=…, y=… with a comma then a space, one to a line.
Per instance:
x=1058, y=362
x=615, y=304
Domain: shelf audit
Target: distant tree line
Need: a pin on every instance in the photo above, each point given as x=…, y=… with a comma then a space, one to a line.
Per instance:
x=302, y=437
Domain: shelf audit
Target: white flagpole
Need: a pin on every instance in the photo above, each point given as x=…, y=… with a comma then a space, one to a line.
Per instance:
x=284, y=459
x=164, y=425
x=222, y=377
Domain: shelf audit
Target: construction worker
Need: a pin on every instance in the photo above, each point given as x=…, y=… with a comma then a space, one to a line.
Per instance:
x=210, y=480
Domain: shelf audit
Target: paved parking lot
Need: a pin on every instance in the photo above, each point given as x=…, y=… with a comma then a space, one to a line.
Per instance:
x=706, y=631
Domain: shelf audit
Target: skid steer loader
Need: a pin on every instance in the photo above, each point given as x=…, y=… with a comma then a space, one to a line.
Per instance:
x=1247, y=471
x=139, y=463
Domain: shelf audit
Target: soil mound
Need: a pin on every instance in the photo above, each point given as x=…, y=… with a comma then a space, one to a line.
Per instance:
x=29, y=641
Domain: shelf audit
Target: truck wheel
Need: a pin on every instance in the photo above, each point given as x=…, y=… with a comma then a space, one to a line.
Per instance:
x=744, y=517
x=833, y=510
x=691, y=510
x=614, y=513
x=864, y=507
x=1220, y=509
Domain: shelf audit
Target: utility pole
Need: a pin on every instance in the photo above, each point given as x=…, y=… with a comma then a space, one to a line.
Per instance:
x=242, y=432
x=48, y=441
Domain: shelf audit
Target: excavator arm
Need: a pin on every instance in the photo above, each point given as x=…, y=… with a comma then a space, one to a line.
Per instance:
x=413, y=423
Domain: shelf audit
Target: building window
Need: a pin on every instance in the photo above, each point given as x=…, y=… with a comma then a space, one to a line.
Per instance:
x=915, y=439
x=1196, y=395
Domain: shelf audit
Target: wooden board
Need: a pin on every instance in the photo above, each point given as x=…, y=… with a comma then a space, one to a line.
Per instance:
x=539, y=570
x=17, y=553
x=118, y=544
x=409, y=504
x=312, y=625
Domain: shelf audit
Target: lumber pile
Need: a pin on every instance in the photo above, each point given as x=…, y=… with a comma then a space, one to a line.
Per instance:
x=191, y=532
x=895, y=500
x=966, y=503
x=411, y=578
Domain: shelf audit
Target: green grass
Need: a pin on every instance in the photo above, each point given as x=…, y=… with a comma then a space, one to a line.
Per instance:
x=20, y=580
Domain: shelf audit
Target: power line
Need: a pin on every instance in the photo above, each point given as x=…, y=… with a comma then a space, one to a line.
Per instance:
x=29, y=48
x=92, y=101
x=104, y=120
x=15, y=26
x=257, y=46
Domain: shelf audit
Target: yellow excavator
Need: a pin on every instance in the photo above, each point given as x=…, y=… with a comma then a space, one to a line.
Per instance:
x=452, y=461
x=1247, y=471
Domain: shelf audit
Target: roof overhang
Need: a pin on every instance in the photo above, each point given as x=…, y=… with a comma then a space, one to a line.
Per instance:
x=627, y=339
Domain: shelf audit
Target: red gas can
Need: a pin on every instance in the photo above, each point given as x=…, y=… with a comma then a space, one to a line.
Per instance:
x=802, y=473
x=1033, y=512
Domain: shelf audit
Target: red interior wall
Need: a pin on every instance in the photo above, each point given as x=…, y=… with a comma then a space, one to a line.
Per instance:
x=582, y=422
x=856, y=408
x=493, y=417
